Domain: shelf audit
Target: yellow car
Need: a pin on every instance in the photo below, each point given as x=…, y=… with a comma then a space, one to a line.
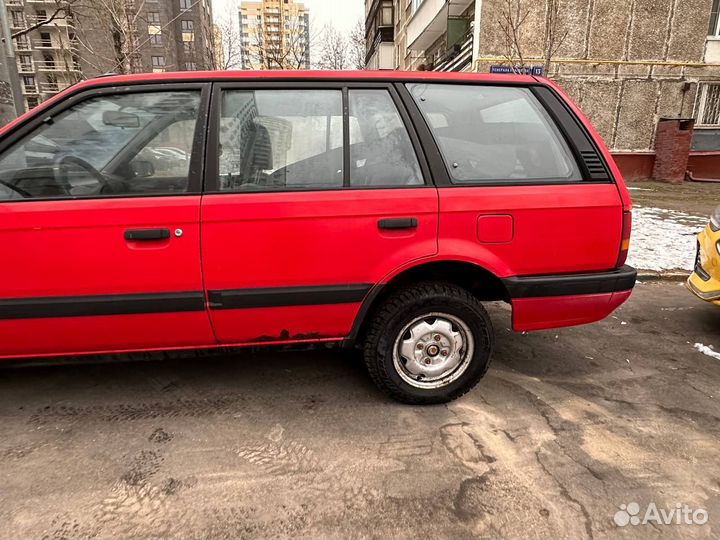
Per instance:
x=705, y=279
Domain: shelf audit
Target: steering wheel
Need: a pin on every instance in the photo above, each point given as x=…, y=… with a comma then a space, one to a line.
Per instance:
x=61, y=174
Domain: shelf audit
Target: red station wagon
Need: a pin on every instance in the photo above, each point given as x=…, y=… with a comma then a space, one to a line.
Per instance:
x=196, y=210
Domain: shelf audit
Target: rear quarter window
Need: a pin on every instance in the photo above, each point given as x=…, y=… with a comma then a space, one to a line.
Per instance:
x=494, y=133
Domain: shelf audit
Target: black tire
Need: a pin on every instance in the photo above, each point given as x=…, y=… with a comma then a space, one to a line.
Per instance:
x=409, y=303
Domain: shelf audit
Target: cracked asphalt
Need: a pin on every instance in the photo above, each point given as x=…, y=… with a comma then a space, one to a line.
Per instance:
x=567, y=426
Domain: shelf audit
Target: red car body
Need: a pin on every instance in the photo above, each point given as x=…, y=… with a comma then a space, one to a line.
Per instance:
x=294, y=267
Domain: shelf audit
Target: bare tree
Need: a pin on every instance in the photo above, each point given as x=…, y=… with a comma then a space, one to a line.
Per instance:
x=230, y=43
x=109, y=35
x=333, y=50
x=110, y=26
x=357, y=45
x=512, y=18
x=554, y=35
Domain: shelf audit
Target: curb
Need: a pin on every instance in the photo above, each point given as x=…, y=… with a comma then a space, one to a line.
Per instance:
x=650, y=275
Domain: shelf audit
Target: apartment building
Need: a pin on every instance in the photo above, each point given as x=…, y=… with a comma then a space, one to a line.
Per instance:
x=628, y=63
x=275, y=34
x=46, y=57
x=54, y=50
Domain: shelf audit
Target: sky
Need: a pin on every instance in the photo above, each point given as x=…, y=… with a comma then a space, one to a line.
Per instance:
x=340, y=13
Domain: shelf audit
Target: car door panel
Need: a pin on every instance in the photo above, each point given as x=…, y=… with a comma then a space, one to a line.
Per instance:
x=72, y=257
x=106, y=260
x=298, y=223
x=311, y=245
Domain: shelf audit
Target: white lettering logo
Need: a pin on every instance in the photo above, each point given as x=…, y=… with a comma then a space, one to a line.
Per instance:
x=680, y=514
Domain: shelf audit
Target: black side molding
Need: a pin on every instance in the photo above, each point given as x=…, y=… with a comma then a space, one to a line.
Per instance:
x=91, y=306
x=287, y=296
x=621, y=279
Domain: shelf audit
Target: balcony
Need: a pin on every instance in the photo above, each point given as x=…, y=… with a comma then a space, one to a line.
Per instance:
x=22, y=44
x=29, y=89
x=61, y=21
x=25, y=69
x=47, y=65
x=49, y=44
x=53, y=87
x=429, y=21
x=457, y=57
x=380, y=53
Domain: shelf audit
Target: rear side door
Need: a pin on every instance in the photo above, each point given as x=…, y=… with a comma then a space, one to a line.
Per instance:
x=316, y=193
x=523, y=189
x=100, y=230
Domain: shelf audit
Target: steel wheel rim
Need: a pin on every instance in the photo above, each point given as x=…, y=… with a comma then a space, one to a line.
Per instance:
x=433, y=350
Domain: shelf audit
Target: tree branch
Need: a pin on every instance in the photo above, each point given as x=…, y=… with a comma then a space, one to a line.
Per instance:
x=54, y=16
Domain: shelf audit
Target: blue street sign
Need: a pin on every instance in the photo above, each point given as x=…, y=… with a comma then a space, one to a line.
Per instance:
x=534, y=70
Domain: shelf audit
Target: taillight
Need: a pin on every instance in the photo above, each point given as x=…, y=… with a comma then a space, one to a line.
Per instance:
x=625, y=242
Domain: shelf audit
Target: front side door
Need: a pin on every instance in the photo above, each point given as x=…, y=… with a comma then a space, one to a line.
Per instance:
x=99, y=223
x=315, y=195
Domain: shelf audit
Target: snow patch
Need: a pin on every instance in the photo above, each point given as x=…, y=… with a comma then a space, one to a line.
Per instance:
x=709, y=351
x=663, y=239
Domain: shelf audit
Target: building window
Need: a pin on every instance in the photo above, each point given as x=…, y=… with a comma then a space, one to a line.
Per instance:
x=188, y=47
x=45, y=40
x=153, y=17
x=187, y=30
x=29, y=84
x=386, y=13
x=185, y=4
x=22, y=43
x=18, y=19
x=158, y=63
x=25, y=63
x=190, y=66
x=32, y=102
x=156, y=40
x=708, y=110
x=714, y=29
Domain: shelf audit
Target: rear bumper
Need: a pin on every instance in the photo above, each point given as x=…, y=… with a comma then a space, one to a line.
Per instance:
x=541, y=302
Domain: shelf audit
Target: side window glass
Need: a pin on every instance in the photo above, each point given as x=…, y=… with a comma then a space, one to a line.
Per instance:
x=280, y=140
x=113, y=145
x=168, y=152
x=490, y=133
x=381, y=153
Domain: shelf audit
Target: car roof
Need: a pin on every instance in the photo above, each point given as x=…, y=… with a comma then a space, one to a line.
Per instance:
x=288, y=75
x=270, y=75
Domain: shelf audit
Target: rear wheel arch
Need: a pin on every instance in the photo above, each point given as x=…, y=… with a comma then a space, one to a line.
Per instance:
x=481, y=282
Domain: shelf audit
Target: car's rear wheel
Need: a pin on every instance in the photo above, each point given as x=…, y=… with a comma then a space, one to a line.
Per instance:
x=428, y=343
